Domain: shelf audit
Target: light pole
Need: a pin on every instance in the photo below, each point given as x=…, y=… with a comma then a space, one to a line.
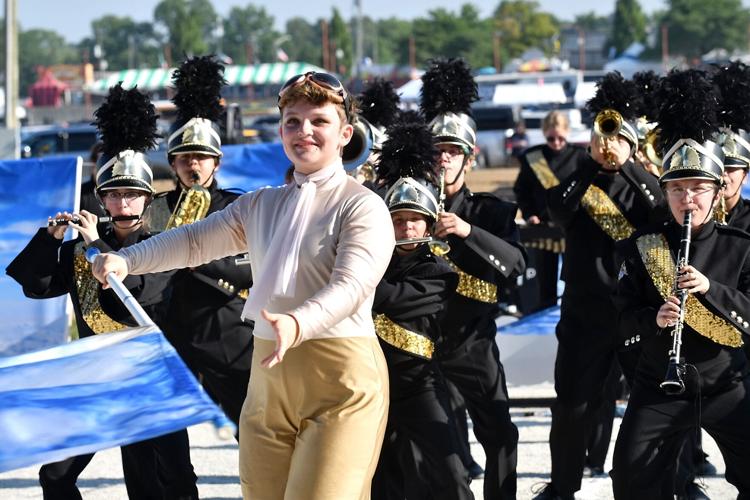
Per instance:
x=581, y=48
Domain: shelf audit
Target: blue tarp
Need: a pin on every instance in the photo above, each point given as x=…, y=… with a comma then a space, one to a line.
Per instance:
x=95, y=393
x=252, y=166
x=539, y=323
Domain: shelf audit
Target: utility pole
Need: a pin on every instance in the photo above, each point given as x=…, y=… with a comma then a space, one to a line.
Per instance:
x=359, y=43
x=412, y=52
x=665, y=46
x=324, y=44
x=11, y=73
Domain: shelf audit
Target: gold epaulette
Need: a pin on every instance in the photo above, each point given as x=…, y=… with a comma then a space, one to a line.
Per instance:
x=606, y=214
x=472, y=287
x=87, y=288
x=401, y=338
x=657, y=258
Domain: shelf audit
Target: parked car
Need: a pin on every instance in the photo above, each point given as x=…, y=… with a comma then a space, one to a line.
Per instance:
x=495, y=126
x=57, y=140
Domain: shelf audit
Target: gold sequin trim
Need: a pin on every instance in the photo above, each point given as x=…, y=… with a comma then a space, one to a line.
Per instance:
x=88, y=295
x=658, y=260
x=244, y=293
x=606, y=214
x=472, y=287
x=541, y=169
x=403, y=339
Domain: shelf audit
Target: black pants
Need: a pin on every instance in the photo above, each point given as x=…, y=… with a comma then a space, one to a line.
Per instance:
x=655, y=427
x=585, y=361
x=157, y=468
x=421, y=457
x=474, y=368
x=600, y=433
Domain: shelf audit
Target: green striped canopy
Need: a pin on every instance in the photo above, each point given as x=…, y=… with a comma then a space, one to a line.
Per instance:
x=154, y=79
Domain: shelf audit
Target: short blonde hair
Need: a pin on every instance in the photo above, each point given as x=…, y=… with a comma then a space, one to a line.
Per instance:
x=555, y=119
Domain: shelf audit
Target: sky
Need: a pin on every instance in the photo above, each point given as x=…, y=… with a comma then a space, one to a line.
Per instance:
x=72, y=18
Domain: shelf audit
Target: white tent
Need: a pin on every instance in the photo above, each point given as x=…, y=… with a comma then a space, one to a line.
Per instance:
x=525, y=94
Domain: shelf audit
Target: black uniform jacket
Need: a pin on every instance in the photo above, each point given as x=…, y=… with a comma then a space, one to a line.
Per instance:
x=531, y=196
x=722, y=254
x=43, y=274
x=590, y=267
x=204, y=312
x=412, y=292
x=490, y=254
x=739, y=217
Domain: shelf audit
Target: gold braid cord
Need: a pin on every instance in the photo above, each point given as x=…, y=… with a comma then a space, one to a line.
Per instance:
x=472, y=287
x=401, y=338
x=540, y=167
x=606, y=214
x=658, y=260
x=88, y=295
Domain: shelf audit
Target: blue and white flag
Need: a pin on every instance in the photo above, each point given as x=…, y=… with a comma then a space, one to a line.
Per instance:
x=96, y=393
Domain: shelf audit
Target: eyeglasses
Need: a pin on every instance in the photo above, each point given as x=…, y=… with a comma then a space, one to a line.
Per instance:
x=555, y=138
x=324, y=81
x=679, y=192
x=128, y=196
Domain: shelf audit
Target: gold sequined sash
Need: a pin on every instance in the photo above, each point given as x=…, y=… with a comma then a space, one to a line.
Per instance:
x=606, y=214
x=540, y=167
x=472, y=287
x=88, y=295
x=658, y=260
x=403, y=339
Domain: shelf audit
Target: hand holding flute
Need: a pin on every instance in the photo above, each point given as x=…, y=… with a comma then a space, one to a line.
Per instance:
x=84, y=222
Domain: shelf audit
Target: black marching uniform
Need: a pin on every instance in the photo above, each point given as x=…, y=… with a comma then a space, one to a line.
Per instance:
x=717, y=383
x=204, y=317
x=468, y=356
x=407, y=302
x=163, y=461
x=595, y=209
x=542, y=169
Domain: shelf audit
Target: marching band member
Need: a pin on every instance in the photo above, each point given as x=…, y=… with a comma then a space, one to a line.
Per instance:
x=421, y=456
x=204, y=317
x=47, y=267
x=313, y=422
x=542, y=167
x=681, y=293
x=600, y=203
x=485, y=252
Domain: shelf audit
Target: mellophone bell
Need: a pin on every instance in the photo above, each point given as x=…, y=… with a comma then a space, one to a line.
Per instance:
x=682, y=295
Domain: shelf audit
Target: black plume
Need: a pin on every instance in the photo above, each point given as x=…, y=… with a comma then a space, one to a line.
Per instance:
x=614, y=92
x=126, y=120
x=647, y=83
x=198, y=83
x=689, y=108
x=447, y=87
x=733, y=85
x=409, y=151
x=378, y=103
x=409, y=116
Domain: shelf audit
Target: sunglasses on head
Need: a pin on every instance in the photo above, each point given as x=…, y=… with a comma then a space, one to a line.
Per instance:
x=324, y=81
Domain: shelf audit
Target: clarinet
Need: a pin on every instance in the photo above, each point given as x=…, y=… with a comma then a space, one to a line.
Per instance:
x=673, y=384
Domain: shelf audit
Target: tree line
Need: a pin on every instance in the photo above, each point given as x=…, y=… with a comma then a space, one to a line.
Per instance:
x=248, y=35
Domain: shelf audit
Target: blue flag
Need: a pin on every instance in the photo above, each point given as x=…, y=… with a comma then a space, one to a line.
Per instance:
x=96, y=393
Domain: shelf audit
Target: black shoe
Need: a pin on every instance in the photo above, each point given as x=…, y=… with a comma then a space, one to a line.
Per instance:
x=706, y=468
x=548, y=492
x=476, y=471
x=593, y=471
x=693, y=492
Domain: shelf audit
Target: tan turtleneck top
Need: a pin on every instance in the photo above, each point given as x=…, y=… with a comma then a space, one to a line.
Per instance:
x=343, y=254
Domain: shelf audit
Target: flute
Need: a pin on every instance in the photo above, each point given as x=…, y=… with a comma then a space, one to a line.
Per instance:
x=116, y=218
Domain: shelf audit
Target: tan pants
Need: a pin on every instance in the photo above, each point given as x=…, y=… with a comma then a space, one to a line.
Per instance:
x=312, y=426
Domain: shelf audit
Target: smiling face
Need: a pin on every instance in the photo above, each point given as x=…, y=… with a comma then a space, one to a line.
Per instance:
x=313, y=135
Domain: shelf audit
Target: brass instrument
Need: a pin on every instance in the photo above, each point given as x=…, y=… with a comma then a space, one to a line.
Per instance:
x=673, y=384
x=649, y=147
x=440, y=247
x=607, y=125
x=191, y=206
